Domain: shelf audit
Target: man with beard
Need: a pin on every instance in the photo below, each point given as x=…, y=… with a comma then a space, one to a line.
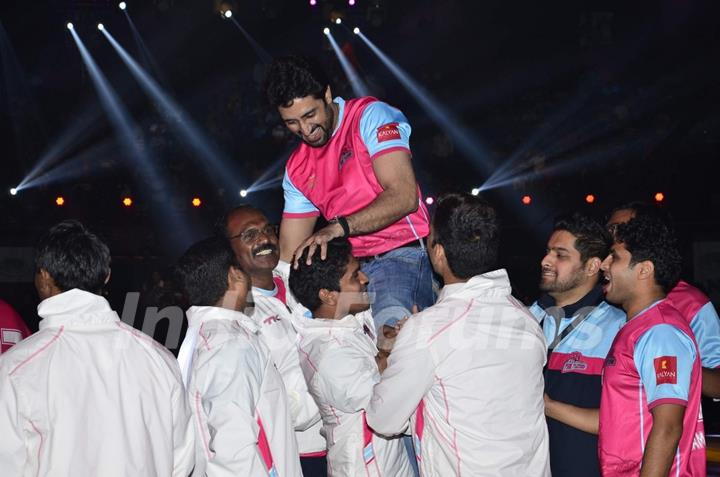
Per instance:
x=353, y=167
x=692, y=303
x=255, y=244
x=579, y=328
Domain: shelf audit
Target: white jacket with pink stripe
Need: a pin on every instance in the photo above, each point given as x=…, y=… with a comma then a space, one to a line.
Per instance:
x=466, y=376
x=90, y=395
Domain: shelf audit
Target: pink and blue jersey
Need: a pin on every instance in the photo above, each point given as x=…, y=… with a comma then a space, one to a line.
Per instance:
x=700, y=313
x=654, y=360
x=338, y=179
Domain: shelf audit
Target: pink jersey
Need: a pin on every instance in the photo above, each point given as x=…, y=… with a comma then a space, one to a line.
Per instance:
x=12, y=327
x=668, y=374
x=339, y=180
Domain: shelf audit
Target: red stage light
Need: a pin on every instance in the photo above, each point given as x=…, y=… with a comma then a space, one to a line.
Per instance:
x=659, y=197
x=526, y=199
x=196, y=202
x=590, y=198
x=60, y=201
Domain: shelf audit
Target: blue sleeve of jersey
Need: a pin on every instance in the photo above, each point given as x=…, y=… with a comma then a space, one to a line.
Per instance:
x=374, y=117
x=664, y=357
x=706, y=327
x=296, y=204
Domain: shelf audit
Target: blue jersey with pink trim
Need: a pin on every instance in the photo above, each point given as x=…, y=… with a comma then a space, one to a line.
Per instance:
x=373, y=117
x=573, y=373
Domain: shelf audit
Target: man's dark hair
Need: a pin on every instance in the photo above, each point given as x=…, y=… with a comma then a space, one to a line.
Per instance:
x=74, y=257
x=307, y=280
x=465, y=226
x=639, y=207
x=292, y=77
x=203, y=271
x=649, y=237
x=591, y=238
x=221, y=224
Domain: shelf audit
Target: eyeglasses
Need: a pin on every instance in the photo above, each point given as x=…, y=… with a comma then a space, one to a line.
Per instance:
x=251, y=235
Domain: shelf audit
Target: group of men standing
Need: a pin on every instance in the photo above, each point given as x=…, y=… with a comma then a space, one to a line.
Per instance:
x=324, y=351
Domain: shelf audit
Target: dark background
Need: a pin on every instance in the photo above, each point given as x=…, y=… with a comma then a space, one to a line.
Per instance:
x=617, y=99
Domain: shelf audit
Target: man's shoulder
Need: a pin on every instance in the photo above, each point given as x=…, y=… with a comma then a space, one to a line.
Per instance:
x=28, y=349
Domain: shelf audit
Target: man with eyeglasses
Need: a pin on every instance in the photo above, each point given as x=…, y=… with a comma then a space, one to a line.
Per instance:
x=255, y=244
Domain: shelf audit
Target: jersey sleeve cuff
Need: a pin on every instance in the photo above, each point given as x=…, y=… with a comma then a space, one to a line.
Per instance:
x=389, y=150
x=657, y=402
x=300, y=215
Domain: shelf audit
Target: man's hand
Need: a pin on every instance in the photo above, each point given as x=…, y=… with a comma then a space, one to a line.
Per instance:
x=386, y=339
x=318, y=239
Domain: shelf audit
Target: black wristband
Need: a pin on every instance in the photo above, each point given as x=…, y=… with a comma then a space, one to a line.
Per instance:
x=344, y=224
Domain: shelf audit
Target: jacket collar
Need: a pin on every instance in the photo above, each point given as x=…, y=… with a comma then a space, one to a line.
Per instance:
x=197, y=315
x=75, y=307
x=495, y=283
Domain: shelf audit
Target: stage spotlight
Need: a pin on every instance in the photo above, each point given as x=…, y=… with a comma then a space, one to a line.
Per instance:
x=526, y=199
x=69, y=26
x=227, y=14
x=127, y=201
x=313, y=3
x=429, y=200
x=356, y=30
x=659, y=197
x=101, y=27
x=13, y=191
x=338, y=20
x=122, y=5
x=326, y=30
x=243, y=193
x=60, y=201
x=475, y=191
x=590, y=198
x=351, y=2
x=196, y=202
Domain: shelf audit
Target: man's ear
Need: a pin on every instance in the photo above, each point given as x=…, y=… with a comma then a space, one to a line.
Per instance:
x=592, y=266
x=328, y=297
x=646, y=270
x=238, y=280
x=328, y=95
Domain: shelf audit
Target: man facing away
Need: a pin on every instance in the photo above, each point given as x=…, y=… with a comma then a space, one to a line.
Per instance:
x=694, y=305
x=341, y=363
x=353, y=166
x=255, y=245
x=88, y=394
x=650, y=420
x=239, y=402
x=467, y=372
x=579, y=328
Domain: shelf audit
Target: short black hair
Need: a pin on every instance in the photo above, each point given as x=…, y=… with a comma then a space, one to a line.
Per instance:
x=221, y=224
x=591, y=238
x=202, y=271
x=650, y=237
x=292, y=77
x=74, y=257
x=466, y=226
x=638, y=207
x=307, y=280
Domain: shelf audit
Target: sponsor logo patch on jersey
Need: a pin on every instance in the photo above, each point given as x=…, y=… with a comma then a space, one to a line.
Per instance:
x=388, y=132
x=574, y=363
x=666, y=370
x=344, y=156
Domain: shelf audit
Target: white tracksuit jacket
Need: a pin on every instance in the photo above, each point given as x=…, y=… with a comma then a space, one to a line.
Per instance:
x=468, y=373
x=277, y=331
x=338, y=360
x=88, y=395
x=238, y=399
